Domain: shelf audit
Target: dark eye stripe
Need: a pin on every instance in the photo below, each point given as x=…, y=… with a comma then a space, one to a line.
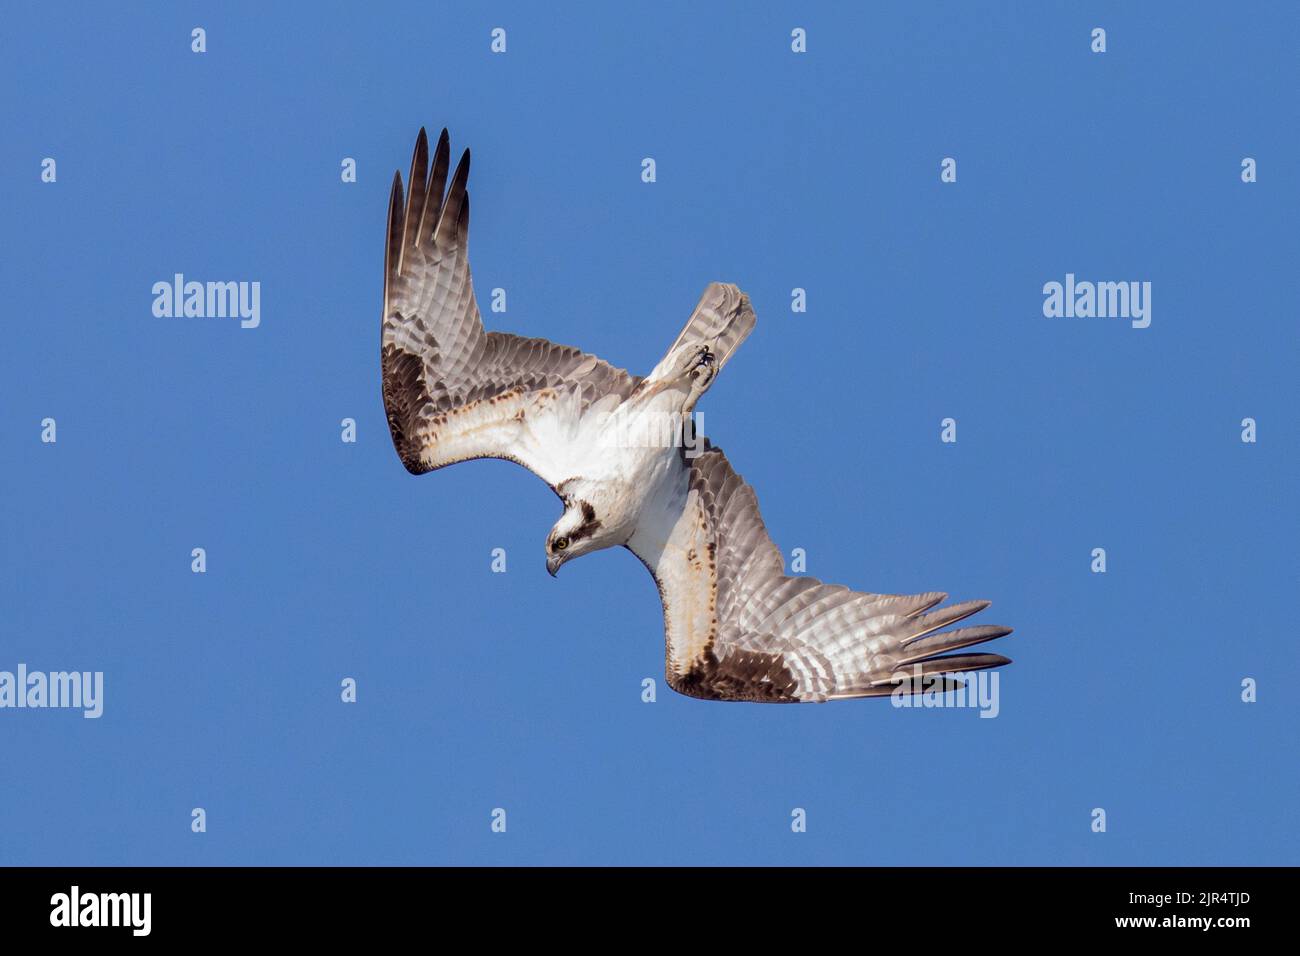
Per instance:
x=585, y=531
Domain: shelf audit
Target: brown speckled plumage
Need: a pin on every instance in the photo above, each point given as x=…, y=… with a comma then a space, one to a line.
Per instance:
x=736, y=627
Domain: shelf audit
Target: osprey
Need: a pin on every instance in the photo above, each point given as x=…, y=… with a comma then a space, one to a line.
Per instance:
x=735, y=626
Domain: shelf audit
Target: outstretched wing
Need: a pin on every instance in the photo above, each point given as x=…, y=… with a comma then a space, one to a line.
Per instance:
x=737, y=628
x=452, y=390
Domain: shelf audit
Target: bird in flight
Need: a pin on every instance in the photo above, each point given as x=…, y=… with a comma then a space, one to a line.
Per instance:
x=735, y=626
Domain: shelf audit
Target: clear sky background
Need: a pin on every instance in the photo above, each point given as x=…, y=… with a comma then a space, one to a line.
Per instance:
x=775, y=170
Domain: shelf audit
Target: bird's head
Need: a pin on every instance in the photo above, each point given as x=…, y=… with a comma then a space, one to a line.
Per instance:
x=579, y=531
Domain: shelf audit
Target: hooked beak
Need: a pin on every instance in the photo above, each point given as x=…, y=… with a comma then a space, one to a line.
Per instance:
x=553, y=563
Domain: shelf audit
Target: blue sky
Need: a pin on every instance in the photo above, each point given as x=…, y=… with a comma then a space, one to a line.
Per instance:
x=774, y=171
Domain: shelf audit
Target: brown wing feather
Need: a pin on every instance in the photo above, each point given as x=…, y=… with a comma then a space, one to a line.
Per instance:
x=738, y=628
x=453, y=391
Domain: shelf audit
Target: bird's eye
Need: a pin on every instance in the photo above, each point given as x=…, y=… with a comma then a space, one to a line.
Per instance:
x=560, y=544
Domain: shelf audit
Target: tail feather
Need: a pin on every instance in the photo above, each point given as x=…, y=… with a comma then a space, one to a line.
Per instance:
x=722, y=319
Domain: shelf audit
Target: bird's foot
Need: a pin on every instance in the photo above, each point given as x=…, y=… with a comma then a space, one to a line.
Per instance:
x=702, y=365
